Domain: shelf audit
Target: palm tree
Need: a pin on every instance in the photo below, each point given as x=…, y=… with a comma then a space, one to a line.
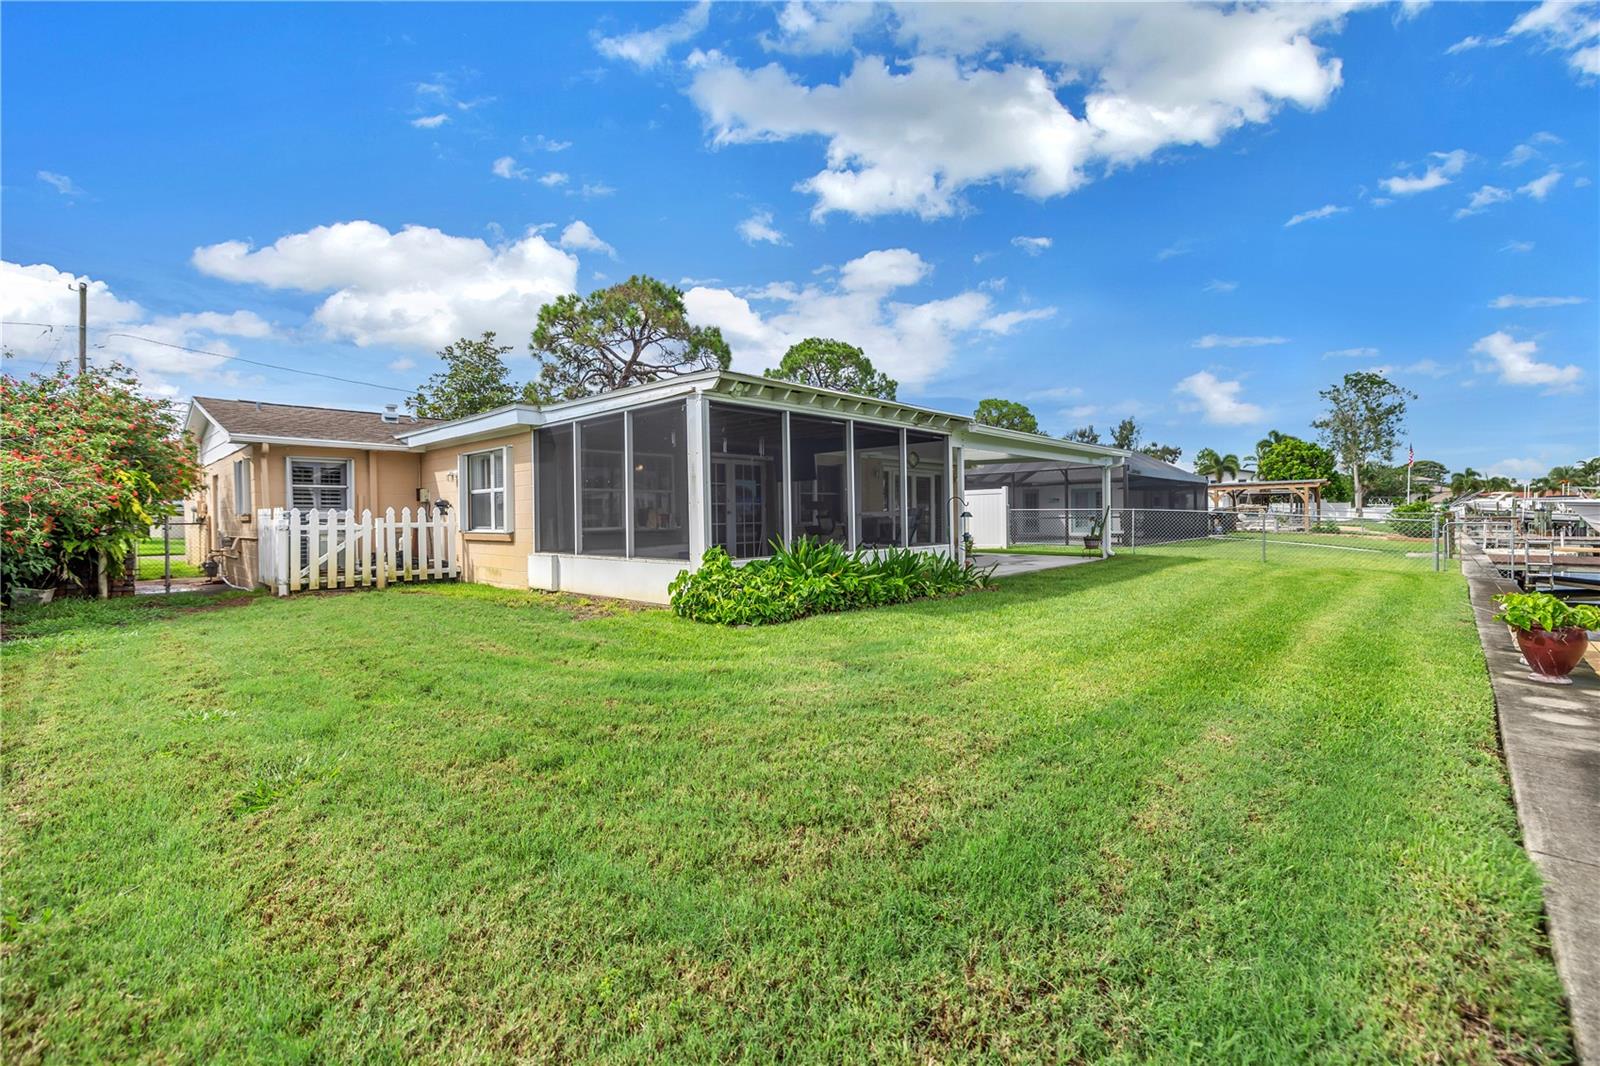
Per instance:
x=1560, y=479
x=1468, y=480
x=1272, y=437
x=1208, y=464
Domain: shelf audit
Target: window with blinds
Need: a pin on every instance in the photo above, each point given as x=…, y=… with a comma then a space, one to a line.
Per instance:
x=320, y=485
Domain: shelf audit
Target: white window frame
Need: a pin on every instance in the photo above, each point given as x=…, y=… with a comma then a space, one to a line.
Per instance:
x=349, y=485
x=243, y=496
x=503, y=490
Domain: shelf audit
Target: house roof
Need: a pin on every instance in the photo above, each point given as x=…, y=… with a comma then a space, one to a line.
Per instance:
x=980, y=442
x=252, y=420
x=1139, y=465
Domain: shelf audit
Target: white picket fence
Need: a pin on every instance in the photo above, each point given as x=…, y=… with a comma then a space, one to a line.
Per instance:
x=302, y=550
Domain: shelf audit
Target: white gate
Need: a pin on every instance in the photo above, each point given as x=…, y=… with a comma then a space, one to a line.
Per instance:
x=339, y=549
x=989, y=509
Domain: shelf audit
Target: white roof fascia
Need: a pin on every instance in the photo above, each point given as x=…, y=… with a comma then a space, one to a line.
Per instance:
x=980, y=441
x=493, y=423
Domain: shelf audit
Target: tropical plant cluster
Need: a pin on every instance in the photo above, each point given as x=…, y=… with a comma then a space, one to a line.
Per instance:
x=87, y=464
x=1531, y=611
x=814, y=577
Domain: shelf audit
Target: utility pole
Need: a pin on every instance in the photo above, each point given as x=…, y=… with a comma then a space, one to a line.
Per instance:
x=83, y=327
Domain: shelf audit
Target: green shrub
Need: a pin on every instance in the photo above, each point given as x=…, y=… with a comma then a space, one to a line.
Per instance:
x=814, y=577
x=1325, y=526
x=1412, y=519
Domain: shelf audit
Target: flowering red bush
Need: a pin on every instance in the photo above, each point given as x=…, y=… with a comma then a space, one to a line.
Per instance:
x=87, y=463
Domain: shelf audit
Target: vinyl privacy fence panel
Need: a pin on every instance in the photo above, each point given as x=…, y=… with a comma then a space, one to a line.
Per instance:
x=331, y=549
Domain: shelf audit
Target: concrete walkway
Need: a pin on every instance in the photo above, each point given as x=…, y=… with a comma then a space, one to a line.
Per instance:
x=1008, y=565
x=1551, y=736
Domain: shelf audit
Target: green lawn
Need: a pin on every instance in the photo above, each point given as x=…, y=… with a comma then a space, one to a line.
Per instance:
x=1040, y=549
x=1153, y=809
x=153, y=554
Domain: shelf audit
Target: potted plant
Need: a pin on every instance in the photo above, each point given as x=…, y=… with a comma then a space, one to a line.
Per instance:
x=32, y=574
x=1552, y=634
x=1091, y=540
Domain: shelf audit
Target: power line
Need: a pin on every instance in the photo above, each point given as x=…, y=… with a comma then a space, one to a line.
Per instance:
x=224, y=355
x=257, y=362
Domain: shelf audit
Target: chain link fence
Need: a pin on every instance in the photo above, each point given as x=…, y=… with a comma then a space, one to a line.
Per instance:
x=1407, y=542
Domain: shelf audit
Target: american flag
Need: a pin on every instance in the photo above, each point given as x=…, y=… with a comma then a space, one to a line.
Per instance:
x=1411, y=455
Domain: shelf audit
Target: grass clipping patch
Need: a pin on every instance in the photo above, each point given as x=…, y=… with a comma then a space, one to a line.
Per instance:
x=815, y=577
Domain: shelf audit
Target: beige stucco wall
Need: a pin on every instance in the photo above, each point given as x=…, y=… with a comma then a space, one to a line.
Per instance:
x=380, y=480
x=215, y=505
x=492, y=559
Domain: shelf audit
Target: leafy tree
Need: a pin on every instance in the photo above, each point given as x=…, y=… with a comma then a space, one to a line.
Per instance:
x=475, y=378
x=1084, y=435
x=1429, y=470
x=1366, y=412
x=1167, y=453
x=1293, y=459
x=1209, y=464
x=1384, y=481
x=87, y=464
x=1126, y=435
x=629, y=334
x=831, y=364
x=1006, y=414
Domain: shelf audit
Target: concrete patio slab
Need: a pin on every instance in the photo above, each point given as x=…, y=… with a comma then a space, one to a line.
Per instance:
x=1009, y=565
x=1551, y=737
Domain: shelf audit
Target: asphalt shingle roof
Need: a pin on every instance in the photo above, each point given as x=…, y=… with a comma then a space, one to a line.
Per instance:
x=250, y=418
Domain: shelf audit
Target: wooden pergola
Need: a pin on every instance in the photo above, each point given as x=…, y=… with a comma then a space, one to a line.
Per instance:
x=1309, y=493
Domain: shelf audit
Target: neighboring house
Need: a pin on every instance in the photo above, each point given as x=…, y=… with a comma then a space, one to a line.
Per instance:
x=615, y=494
x=1021, y=503
x=1142, y=482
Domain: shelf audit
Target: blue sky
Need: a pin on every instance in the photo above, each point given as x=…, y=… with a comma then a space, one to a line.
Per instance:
x=1084, y=208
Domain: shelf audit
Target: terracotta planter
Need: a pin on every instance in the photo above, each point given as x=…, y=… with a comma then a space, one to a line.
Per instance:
x=1553, y=655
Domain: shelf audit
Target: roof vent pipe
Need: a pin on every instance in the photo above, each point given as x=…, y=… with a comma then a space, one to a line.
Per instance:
x=391, y=412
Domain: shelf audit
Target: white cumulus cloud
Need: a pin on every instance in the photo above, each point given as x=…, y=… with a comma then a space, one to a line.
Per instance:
x=1032, y=245
x=1483, y=199
x=758, y=229
x=416, y=288
x=1565, y=26
x=40, y=293
x=506, y=167
x=1508, y=300
x=1218, y=340
x=910, y=133
x=1515, y=362
x=579, y=237
x=1218, y=401
x=430, y=122
x=866, y=306
x=1325, y=211
x=1437, y=174
x=552, y=179
x=646, y=48
x=60, y=183
x=1540, y=187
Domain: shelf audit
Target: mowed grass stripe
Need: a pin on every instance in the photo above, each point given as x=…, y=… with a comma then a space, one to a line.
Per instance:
x=1146, y=809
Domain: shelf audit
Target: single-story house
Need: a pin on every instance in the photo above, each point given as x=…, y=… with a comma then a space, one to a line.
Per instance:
x=1055, y=503
x=614, y=494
